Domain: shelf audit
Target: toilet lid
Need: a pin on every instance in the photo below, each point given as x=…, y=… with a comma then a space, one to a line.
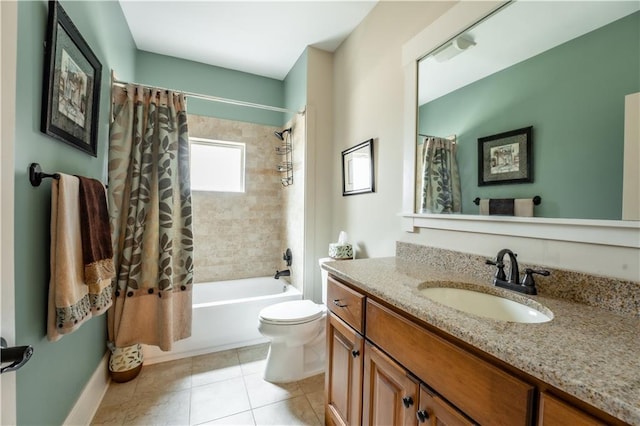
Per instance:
x=296, y=311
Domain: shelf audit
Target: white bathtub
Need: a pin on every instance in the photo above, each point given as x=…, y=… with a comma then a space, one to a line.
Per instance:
x=225, y=316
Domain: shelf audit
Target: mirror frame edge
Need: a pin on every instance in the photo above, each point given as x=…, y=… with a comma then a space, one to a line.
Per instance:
x=460, y=17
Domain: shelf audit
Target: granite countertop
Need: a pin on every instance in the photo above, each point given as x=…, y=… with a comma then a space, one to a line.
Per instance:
x=588, y=352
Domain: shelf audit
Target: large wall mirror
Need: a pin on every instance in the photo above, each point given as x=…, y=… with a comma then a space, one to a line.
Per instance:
x=561, y=68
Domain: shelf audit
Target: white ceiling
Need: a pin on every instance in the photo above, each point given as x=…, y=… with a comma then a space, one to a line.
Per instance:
x=517, y=32
x=259, y=37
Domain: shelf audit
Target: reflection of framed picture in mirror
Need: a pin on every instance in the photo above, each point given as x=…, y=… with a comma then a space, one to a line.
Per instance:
x=505, y=158
x=71, y=84
x=357, y=169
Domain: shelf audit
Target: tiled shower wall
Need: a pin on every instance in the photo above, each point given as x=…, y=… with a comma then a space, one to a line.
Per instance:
x=292, y=233
x=238, y=235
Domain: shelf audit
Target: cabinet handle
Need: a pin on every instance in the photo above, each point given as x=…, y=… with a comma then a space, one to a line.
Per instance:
x=338, y=304
x=407, y=401
x=422, y=416
x=355, y=353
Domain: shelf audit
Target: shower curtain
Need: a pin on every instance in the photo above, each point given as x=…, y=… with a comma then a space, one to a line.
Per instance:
x=150, y=214
x=441, y=179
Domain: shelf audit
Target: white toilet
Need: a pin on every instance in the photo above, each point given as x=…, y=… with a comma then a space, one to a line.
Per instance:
x=297, y=333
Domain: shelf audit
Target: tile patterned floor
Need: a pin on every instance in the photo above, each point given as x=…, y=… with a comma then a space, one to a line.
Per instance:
x=223, y=388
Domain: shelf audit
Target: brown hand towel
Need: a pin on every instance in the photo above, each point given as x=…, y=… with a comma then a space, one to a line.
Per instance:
x=97, y=251
x=501, y=206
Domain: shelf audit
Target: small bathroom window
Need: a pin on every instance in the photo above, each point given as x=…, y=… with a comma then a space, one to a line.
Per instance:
x=217, y=165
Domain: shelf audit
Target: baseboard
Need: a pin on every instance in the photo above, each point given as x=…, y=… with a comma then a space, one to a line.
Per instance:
x=153, y=355
x=89, y=400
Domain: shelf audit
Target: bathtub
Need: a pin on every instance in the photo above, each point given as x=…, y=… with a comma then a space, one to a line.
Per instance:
x=225, y=316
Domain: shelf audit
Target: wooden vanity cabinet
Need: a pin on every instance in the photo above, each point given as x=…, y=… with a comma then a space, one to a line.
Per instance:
x=398, y=351
x=396, y=371
x=345, y=348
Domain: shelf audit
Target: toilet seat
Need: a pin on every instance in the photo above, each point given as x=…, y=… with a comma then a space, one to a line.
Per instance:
x=293, y=312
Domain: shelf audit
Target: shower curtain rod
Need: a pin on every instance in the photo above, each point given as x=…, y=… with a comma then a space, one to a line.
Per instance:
x=114, y=81
x=452, y=138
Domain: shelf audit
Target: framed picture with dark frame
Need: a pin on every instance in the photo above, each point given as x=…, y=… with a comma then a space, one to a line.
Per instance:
x=506, y=157
x=357, y=169
x=71, y=84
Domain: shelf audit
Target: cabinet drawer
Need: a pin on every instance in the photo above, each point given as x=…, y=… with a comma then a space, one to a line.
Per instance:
x=346, y=303
x=483, y=392
x=554, y=412
x=436, y=411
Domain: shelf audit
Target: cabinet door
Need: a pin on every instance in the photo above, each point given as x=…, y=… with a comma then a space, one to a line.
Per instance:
x=390, y=395
x=434, y=411
x=554, y=412
x=343, y=387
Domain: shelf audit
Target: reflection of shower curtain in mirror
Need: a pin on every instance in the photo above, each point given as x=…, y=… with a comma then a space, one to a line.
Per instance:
x=440, y=180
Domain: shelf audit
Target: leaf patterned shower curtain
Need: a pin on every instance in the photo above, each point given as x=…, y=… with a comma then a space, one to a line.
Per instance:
x=150, y=213
x=441, y=179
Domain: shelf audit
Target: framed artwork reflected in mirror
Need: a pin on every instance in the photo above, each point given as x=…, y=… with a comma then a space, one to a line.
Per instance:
x=505, y=158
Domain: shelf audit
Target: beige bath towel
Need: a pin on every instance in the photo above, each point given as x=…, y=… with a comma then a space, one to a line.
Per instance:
x=71, y=301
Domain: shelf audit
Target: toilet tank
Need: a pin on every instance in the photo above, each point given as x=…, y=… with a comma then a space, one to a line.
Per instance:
x=325, y=277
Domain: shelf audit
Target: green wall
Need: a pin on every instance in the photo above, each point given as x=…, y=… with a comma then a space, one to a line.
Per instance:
x=295, y=85
x=49, y=385
x=573, y=96
x=195, y=77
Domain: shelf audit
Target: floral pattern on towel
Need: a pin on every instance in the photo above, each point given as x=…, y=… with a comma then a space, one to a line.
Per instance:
x=71, y=316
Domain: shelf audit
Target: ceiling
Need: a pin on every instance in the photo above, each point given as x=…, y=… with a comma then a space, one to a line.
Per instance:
x=258, y=37
x=517, y=32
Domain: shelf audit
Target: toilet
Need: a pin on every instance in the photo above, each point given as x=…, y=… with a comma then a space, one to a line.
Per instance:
x=297, y=333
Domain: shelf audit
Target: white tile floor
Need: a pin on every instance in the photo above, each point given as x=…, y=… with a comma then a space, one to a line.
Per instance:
x=223, y=388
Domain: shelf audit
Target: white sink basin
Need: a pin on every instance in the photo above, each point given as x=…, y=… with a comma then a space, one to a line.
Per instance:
x=485, y=305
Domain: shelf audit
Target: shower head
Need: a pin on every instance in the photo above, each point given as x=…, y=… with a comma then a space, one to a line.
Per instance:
x=280, y=135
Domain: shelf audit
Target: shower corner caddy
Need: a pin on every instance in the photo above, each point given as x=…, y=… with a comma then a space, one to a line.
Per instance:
x=286, y=165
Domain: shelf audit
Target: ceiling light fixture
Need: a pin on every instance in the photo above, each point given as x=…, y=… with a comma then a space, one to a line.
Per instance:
x=453, y=48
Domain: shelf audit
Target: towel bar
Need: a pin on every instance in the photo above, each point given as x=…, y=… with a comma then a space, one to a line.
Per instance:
x=36, y=174
x=536, y=200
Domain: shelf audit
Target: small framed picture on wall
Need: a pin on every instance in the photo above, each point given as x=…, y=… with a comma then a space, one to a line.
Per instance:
x=357, y=169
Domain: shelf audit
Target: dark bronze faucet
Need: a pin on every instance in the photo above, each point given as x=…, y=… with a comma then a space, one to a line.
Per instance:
x=284, y=273
x=527, y=286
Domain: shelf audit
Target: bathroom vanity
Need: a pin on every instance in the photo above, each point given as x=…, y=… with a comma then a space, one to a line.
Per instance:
x=396, y=357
